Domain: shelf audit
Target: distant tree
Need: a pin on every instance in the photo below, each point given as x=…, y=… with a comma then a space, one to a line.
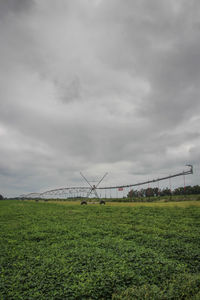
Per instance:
x=156, y=191
x=149, y=192
x=132, y=194
x=166, y=192
x=196, y=189
x=179, y=191
x=187, y=190
x=141, y=193
x=1, y=197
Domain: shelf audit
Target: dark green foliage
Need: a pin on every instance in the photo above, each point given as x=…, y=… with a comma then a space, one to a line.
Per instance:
x=1, y=197
x=53, y=251
x=155, y=192
x=188, y=190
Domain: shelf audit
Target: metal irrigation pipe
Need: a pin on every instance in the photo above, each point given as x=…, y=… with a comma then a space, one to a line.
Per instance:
x=150, y=181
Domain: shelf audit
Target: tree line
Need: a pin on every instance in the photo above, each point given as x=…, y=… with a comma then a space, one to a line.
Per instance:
x=155, y=192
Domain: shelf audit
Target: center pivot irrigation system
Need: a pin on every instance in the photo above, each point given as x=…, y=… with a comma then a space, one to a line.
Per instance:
x=91, y=190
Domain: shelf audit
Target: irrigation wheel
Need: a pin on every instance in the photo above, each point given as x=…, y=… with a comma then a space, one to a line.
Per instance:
x=83, y=202
x=102, y=202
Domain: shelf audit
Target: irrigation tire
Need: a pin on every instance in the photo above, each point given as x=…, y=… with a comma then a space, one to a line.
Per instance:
x=83, y=203
x=102, y=202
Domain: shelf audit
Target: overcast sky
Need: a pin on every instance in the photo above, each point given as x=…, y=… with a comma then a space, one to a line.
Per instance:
x=97, y=86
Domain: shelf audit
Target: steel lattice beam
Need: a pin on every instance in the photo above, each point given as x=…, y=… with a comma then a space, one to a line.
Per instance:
x=150, y=181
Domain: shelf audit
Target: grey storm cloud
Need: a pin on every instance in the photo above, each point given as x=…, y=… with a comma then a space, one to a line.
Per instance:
x=97, y=85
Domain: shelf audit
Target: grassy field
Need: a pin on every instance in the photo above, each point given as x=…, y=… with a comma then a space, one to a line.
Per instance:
x=134, y=204
x=117, y=251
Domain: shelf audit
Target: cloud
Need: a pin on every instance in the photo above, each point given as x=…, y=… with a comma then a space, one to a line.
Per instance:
x=97, y=86
x=10, y=7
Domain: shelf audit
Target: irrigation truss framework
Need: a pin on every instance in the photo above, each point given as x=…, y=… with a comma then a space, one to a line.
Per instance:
x=91, y=190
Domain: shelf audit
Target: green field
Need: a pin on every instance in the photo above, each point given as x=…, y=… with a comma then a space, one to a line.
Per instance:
x=116, y=251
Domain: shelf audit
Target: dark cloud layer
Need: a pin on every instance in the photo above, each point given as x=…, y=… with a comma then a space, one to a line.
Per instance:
x=97, y=85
